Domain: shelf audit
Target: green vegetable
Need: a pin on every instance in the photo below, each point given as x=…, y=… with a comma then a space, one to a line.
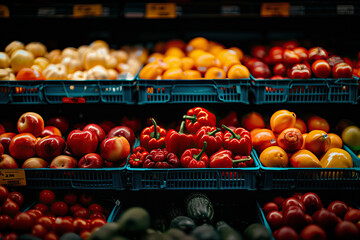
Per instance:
x=200, y=208
x=257, y=231
x=226, y=232
x=183, y=223
x=134, y=221
x=106, y=232
x=205, y=232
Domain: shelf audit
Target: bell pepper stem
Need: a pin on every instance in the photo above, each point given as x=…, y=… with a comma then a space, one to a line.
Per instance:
x=197, y=157
x=154, y=134
x=181, y=131
x=248, y=158
x=193, y=118
x=212, y=133
x=234, y=135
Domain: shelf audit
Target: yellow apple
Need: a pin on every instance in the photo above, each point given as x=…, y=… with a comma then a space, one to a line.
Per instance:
x=4, y=60
x=72, y=64
x=38, y=49
x=21, y=59
x=13, y=46
x=93, y=58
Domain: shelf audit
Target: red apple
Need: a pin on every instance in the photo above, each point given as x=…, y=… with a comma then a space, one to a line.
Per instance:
x=290, y=58
x=299, y=71
x=3, y=194
x=41, y=207
x=5, y=140
x=91, y=160
x=334, y=59
x=342, y=70
x=97, y=223
x=82, y=213
x=115, y=149
x=22, y=222
x=70, y=198
x=50, y=130
x=63, y=161
x=22, y=146
x=62, y=226
x=31, y=122
x=7, y=162
x=100, y=133
x=317, y=53
x=50, y=146
x=85, y=199
x=81, y=225
x=79, y=126
x=291, y=44
x=82, y=142
x=123, y=131
x=279, y=69
x=276, y=55
x=302, y=53
x=96, y=208
x=107, y=126
x=260, y=70
x=10, y=208
x=35, y=162
x=75, y=207
x=321, y=68
x=51, y=236
x=60, y=122
x=39, y=231
x=258, y=52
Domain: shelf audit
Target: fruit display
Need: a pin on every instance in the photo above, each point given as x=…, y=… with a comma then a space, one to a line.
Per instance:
x=291, y=60
x=197, y=59
x=307, y=216
x=97, y=60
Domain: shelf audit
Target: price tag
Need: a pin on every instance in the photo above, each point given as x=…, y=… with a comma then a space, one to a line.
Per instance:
x=275, y=9
x=345, y=9
x=4, y=11
x=73, y=100
x=87, y=10
x=13, y=177
x=160, y=10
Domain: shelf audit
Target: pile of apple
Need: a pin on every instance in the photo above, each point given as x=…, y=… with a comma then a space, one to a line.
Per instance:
x=95, y=61
x=295, y=62
x=52, y=216
x=37, y=146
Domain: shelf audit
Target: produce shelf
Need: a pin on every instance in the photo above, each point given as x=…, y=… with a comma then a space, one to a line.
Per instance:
x=267, y=91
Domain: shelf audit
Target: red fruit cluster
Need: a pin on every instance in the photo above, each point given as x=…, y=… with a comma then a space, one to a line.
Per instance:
x=293, y=61
x=91, y=146
x=303, y=216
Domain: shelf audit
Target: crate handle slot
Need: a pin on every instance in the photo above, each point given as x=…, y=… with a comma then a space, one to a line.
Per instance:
x=80, y=95
x=39, y=87
x=193, y=88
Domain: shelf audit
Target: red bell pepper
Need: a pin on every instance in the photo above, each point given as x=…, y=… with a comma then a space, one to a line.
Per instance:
x=238, y=141
x=195, y=158
x=223, y=159
x=212, y=136
x=152, y=137
x=198, y=117
x=230, y=120
x=178, y=142
x=161, y=158
x=136, y=160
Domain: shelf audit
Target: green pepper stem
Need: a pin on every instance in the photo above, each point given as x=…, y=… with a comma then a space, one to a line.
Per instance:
x=154, y=134
x=248, y=158
x=181, y=131
x=193, y=118
x=234, y=135
x=212, y=133
x=196, y=157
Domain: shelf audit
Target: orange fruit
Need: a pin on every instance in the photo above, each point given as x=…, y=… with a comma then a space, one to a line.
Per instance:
x=238, y=71
x=252, y=120
x=196, y=53
x=172, y=62
x=304, y=137
x=229, y=62
x=175, y=52
x=318, y=142
x=173, y=73
x=336, y=158
x=281, y=120
x=336, y=141
x=154, y=56
x=175, y=43
x=192, y=74
x=304, y=159
x=226, y=54
x=151, y=71
x=187, y=63
x=290, y=139
x=215, y=73
x=29, y=74
x=239, y=52
x=300, y=124
x=274, y=156
x=262, y=138
x=215, y=48
x=205, y=61
x=317, y=123
x=197, y=43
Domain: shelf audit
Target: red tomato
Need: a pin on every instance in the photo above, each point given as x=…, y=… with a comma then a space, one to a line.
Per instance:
x=22, y=222
x=3, y=194
x=70, y=198
x=81, y=225
x=41, y=207
x=270, y=206
x=85, y=199
x=46, y=222
x=82, y=213
x=294, y=217
x=291, y=201
x=5, y=221
x=275, y=220
x=62, y=226
x=321, y=68
x=286, y=233
x=47, y=196
x=339, y=208
x=75, y=207
x=96, y=215
x=97, y=223
x=34, y=214
x=59, y=208
x=313, y=231
x=71, y=219
x=96, y=208
x=39, y=231
x=347, y=230
x=51, y=236
x=279, y=201
x=353, y=215
x=17, y=197
x=10, y=208
x=311, y=202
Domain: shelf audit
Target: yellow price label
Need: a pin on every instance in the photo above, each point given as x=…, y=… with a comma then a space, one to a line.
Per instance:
x=87, y=10
x=13, y=177
x=275, y=9
x=4, y=11
x=160, y=10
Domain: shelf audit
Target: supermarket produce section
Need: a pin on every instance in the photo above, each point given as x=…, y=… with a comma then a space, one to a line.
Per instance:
x=218, y=120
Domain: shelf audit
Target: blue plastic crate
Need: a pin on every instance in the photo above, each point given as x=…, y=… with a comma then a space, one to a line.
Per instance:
x=262, y=218
x=76, y=178
x=193, y=178
x=115, y=212
x=309, y=178
x=72, y=91
x=117, y=91
x=26, y=92
x=193, y=91
x=4, y=92
x=314, y=90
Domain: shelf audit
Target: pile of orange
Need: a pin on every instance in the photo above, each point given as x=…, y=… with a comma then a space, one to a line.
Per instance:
x=197, y=59
x=290, y=142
